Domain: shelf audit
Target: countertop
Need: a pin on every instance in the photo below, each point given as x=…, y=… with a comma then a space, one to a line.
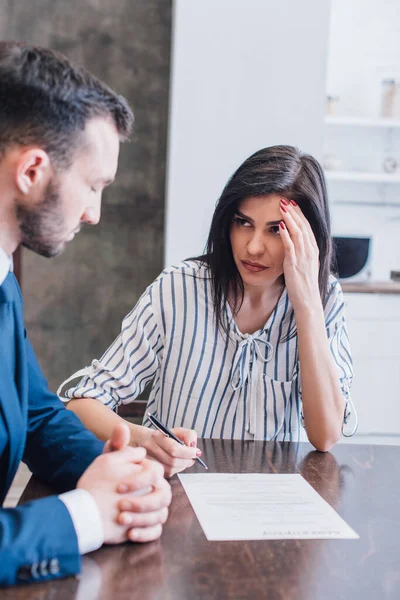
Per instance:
x=371, y=287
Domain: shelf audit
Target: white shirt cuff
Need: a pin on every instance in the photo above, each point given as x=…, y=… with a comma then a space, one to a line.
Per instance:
x=86, y=519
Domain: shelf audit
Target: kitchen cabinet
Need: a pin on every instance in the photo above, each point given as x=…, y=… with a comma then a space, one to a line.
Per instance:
x=374, y=331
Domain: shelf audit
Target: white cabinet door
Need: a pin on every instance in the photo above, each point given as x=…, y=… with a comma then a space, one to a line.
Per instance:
x=374, y=331
x=376, y=395
x=375, y=339
x=372, y=307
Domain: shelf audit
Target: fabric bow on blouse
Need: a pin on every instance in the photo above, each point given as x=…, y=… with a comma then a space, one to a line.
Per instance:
x=245, y=369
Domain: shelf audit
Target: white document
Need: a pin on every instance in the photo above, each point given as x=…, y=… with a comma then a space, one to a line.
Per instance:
x=256, y=506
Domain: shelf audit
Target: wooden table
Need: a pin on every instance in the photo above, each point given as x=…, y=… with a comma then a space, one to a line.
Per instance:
x=361, y=482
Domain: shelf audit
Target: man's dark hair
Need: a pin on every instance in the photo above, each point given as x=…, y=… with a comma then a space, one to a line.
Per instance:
x=45, y=100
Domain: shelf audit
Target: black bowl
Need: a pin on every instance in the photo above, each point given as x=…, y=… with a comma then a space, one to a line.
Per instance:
x=351, y=254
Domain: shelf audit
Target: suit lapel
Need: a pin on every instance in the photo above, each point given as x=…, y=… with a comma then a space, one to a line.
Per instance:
x=21, y=368
x=15, y=431
x=12, y=369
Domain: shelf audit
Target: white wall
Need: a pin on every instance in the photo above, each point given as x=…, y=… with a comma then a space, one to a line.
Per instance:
x=364, y=48
x=246, y=74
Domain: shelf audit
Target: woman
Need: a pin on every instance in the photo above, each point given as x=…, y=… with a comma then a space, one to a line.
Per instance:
x=248, y=341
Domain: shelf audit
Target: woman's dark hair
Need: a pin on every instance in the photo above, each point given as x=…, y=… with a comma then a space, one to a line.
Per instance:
x=274, y=170
x=47, y=100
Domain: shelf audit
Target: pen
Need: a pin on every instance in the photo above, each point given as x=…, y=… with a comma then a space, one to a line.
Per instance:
x=157, y=423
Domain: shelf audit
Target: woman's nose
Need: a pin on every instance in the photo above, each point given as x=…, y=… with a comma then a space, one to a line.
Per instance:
x=255, y=245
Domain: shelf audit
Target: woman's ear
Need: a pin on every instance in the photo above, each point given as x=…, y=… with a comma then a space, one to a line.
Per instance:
x=33, y=170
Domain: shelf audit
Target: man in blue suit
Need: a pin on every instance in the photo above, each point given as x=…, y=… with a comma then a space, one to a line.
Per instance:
x=60, y=130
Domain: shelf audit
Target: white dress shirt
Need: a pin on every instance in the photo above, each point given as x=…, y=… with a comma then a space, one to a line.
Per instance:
x=5, y=265
x=80, y=504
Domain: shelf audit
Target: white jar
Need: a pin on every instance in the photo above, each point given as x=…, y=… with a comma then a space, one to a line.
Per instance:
x=389, y=93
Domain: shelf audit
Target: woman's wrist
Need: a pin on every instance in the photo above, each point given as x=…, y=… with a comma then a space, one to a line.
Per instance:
x=307, y=309
x=139, y=435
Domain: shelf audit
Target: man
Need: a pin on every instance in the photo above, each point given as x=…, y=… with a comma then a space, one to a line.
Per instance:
x=60, y=130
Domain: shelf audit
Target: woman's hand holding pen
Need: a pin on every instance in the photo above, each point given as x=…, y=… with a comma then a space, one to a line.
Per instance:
x=301, y=263
x=173, y=456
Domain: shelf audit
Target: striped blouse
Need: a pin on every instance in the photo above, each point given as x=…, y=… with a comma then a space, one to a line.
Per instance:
x=240, y=386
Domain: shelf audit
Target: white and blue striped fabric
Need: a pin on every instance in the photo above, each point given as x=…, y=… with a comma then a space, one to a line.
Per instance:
x=240, y=386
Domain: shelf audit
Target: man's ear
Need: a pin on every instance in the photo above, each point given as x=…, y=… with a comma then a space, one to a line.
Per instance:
x=33, y=170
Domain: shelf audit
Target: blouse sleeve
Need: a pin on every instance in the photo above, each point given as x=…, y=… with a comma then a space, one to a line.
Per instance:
x=128, y=365
x=336, y=330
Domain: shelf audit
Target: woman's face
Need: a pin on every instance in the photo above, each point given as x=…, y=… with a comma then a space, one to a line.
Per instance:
x=255, y=239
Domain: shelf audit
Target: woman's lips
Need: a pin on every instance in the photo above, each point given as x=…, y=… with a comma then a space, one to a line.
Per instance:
x=253, y=267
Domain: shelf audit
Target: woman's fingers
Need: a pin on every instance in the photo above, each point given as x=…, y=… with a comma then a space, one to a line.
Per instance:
x=286, y=240
x=188, y=436
x=295, y=232
x=299, y=227
x=301, y=221
x=173, y=456
x=171, y=465
x=172, y=448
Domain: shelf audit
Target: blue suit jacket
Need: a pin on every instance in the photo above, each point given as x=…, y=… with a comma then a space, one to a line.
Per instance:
x=37, y=540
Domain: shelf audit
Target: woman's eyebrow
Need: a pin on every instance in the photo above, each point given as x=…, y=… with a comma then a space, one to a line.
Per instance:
x=250, y=220
x=243, y=216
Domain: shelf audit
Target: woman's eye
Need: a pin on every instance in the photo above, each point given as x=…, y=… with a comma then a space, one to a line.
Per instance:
x=241, y=222
x=274, y=229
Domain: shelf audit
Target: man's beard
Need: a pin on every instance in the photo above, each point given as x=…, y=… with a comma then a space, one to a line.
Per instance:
x=41, y=225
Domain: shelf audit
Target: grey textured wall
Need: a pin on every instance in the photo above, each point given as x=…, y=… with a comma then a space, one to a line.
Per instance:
x=74, y=304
